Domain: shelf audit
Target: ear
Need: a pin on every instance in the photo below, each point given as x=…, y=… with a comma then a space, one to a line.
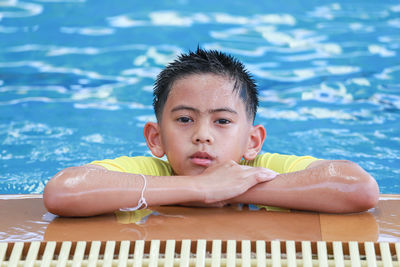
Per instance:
x=256, y=140
x=153, y=139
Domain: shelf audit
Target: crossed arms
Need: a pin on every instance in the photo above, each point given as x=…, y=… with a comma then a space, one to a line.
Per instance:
x=326, y=186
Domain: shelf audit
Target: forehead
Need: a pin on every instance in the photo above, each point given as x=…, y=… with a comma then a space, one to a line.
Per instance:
x=207, y=89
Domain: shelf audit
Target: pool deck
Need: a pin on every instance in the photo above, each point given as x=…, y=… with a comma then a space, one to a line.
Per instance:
x=24, y=218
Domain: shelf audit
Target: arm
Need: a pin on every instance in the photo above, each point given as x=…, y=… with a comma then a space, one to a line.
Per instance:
x=327, y=186
x=90, y=190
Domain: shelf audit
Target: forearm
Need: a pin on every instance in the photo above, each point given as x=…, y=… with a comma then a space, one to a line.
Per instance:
x=328, y=186
x=91, y=190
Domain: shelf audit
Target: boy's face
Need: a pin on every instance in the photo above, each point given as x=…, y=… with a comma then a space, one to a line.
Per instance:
x=204, y=122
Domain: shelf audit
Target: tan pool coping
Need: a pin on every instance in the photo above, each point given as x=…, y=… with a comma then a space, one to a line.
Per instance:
x=24, y=218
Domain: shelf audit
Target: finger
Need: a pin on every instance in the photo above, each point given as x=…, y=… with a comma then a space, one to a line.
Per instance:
x=266, y=174
x=259, y=175
x=220, y=204
x=232, y=163
x=245, y=167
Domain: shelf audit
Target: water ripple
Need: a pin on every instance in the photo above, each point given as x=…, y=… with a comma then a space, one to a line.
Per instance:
x=173, y=18
x=17, y=9
x=94, y=31
x=45, y=67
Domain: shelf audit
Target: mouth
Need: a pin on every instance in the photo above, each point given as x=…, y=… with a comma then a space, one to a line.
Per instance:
x=201, y=159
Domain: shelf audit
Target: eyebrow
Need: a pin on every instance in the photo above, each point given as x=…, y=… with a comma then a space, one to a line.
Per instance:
x=224, y=109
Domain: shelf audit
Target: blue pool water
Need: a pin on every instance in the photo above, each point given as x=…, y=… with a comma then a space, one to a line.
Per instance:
x=76, y=78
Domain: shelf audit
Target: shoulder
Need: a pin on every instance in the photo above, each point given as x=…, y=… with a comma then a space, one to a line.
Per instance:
x=281, y=163
x=140, y=164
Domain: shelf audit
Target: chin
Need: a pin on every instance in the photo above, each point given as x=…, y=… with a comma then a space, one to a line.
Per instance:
x=194, y=171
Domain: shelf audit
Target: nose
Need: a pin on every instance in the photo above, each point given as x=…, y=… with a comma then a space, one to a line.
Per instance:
x=202, y=134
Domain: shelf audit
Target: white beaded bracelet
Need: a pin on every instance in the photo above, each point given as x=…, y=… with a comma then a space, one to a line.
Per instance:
x=142, y=200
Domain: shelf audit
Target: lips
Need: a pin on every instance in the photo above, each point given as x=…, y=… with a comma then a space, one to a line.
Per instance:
x=201, y=159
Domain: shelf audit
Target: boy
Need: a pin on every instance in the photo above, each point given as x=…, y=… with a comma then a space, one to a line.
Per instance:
x=205, y=103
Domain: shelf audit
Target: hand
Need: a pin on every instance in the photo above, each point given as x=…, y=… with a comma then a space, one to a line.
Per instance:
x=228, y=180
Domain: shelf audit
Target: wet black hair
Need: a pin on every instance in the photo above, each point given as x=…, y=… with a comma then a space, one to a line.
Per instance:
x=210, y=62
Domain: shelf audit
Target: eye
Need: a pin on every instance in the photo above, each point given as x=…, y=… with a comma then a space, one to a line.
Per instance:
x=223, y=121
x=184, y=119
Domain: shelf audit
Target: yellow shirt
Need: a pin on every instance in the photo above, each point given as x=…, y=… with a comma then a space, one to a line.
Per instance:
x=157, y=167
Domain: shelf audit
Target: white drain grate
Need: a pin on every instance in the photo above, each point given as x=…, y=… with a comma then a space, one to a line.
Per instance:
x=199, y=253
